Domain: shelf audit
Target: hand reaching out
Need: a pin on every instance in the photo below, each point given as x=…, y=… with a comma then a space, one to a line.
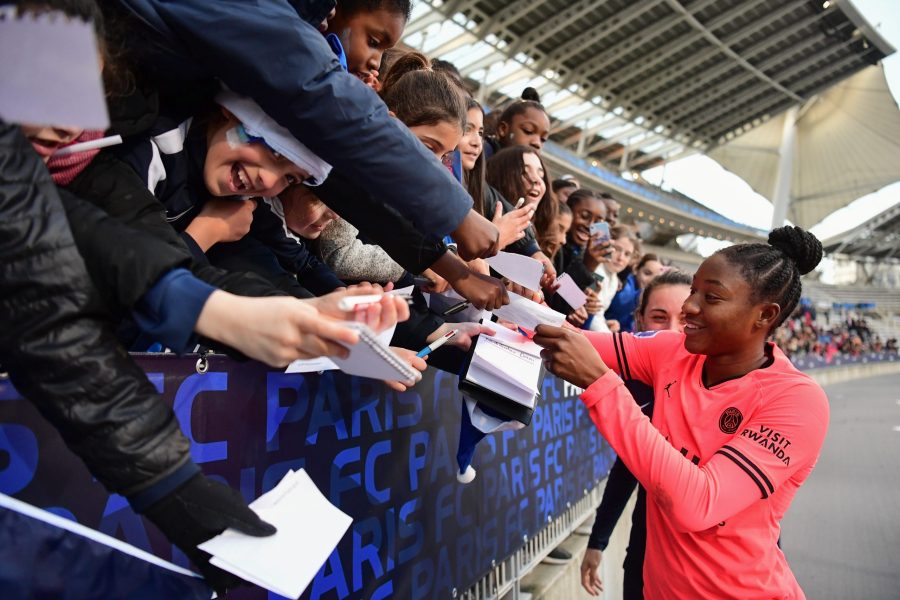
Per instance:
x=464, y=336
x=379, y=316
x=274, y=330
x=513, y=224
x=414, y=361
x=593, y=305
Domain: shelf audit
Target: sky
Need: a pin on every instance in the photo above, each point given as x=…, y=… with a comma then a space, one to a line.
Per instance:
x=704, y=180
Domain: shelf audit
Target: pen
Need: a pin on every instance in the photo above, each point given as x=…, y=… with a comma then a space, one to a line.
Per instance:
x=91, y=145
x=460, y=306
x=522, y=331
x=520, y=203
x=437, y=343
x=349, y=303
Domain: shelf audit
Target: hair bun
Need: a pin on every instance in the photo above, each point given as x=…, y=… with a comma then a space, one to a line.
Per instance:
x=799, y=245
x=530, y=93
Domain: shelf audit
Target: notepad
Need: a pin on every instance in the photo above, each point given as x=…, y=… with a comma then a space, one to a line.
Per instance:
x=371, y=357
x=505, y=372
x=309, y=528
x=528, y=314
x=324, y=363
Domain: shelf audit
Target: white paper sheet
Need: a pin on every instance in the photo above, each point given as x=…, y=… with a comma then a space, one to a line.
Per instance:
x=309, y=528
x=50, y=71
x=521, y=269
x=570, y=292
x=311, y=365
x=528, y=314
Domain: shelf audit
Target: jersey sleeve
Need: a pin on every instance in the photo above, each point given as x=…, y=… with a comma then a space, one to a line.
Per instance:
x=634, y=356
x=696, y=497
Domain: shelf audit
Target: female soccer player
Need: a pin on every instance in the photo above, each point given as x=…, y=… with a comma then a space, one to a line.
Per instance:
x=659, y=309
x=736, y=428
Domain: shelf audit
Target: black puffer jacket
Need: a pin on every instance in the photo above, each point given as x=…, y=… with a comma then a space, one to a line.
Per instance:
x=57, y=345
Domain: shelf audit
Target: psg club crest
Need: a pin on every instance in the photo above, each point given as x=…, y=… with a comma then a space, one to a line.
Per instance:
x=730, y=420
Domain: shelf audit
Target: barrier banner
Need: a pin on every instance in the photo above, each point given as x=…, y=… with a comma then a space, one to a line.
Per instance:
x=385, y=458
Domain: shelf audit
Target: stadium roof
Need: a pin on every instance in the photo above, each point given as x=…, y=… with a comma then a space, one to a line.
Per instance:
x=847, y=146
x=879, y=237
x=633, y=83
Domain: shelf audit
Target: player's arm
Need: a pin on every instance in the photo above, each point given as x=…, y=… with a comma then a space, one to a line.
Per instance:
x=697, y=497
x=634, y=356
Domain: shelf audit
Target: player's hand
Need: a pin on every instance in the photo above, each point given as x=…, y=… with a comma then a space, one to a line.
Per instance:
x=569, y=355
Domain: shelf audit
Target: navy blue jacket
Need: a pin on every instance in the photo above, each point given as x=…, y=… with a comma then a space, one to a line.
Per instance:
x=266, y=50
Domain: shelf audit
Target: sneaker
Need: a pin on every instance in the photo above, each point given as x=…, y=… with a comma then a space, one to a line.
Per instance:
x=557, y=556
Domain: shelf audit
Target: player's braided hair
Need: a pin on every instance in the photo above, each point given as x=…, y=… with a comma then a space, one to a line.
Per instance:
x=773, y=270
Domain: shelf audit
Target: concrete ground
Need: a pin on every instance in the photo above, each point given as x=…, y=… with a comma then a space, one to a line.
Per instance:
x=842, y=532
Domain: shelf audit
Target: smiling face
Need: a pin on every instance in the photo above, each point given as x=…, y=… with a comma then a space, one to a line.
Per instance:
x=531, y=128
x=245, y=169
x=440, y=138
x=472, y=143
x=304, y=213
x=365, y=36
x=622, y=251
x=586, y=212
x=533, y=179
x=47, y=140
x=663, y=309
x=720, y=317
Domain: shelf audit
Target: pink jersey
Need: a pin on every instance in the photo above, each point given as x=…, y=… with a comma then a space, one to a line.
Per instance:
x=720, y=465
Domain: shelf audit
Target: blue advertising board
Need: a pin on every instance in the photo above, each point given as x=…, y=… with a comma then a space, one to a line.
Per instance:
x=385, y=458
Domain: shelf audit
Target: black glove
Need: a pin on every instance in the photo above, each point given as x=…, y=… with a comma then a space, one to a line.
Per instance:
x=199, y=510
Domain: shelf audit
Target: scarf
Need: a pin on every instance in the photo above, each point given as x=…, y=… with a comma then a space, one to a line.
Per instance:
x=64, y=169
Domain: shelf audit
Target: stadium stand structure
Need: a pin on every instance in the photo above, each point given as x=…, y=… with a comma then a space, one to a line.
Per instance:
x=633, y=84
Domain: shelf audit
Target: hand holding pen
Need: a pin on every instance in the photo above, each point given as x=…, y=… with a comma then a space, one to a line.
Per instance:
x=437, y=343
x=365, y=303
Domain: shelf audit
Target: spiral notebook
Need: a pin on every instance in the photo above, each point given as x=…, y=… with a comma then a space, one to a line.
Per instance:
x=373, y=358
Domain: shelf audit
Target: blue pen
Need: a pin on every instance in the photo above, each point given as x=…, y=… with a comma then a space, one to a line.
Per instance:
x=522, y=331
x=437, y=343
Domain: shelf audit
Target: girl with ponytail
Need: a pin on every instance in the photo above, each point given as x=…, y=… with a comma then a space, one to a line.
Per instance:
x=525, y=122
x=736, y=428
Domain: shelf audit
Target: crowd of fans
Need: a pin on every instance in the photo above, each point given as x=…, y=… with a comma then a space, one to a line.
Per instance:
x=803, y=335
x=273, y=162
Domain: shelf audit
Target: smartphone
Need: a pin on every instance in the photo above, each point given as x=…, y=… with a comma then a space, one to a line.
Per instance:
x=597, y=283
x=600, y=232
